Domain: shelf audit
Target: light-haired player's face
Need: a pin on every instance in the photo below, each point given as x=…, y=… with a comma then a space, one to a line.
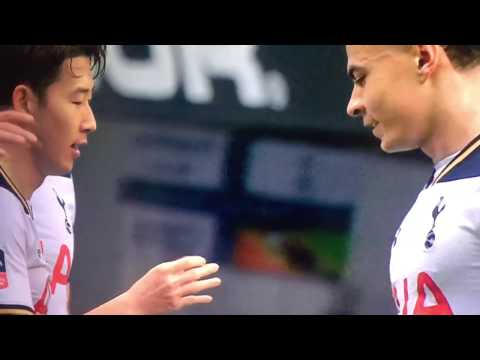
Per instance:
x=65, y=118
x=388, y=95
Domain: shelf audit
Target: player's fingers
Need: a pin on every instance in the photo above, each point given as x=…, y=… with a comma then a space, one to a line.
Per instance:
x=2, y=153
x=199, y=286
x=183, y=264
x=8, y=137
x=13, y=129
x=16, y=116
x=196, y=299
x=197, y=273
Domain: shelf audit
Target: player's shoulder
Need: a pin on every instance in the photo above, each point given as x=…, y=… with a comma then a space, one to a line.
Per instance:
x=9, y=203
x=13, y=219
x=12, y=203
x=466, y=165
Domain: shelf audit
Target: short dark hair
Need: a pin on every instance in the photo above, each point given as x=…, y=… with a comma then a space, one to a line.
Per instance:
x=463, y=56
x=38, y=66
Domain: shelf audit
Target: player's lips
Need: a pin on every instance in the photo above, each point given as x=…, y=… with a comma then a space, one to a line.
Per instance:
x=378, y=131
x=371, y=124
x=76, y=148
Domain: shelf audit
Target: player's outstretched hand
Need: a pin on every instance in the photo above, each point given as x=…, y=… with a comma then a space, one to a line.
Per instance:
x=12, y=129
x=172, y=286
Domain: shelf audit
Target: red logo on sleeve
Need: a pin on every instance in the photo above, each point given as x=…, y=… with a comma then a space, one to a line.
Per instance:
x=3, y=271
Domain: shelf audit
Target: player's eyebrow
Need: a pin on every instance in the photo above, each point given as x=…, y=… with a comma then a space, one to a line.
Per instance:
x=83, y=90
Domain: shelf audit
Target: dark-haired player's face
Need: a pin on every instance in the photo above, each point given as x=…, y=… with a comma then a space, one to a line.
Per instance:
x=64, y=117
x=388, y=95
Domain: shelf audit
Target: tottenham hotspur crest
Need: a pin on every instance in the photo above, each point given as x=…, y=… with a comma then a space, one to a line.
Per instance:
x=62, y=204
x=431, y=234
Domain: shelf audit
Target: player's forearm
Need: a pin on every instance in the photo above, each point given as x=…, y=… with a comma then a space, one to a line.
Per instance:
x=117, y=306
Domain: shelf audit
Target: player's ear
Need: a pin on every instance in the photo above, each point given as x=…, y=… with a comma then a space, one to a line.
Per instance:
x=24, y=99
x=427, y=60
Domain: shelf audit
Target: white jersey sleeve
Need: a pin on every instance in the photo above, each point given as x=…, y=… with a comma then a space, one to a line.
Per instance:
x=23, y=269
x=15, y=292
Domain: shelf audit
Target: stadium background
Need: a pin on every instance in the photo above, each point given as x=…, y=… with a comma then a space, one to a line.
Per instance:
x=243, y=154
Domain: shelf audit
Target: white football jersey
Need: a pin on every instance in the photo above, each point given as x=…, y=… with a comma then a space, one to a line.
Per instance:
x=54, y=206
x=24, y=272
x=435, y=258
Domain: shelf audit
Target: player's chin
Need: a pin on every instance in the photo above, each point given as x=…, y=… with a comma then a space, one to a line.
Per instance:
x=63, y=167
x=395, y=145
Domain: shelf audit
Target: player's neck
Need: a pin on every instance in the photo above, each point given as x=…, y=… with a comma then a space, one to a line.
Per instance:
x=457, y=121
x=449, y=140
x=21, y=169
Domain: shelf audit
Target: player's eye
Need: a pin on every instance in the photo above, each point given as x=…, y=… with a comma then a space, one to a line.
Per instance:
x=360, y=81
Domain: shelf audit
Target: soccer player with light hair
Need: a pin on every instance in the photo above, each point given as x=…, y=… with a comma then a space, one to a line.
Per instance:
x=427, y=97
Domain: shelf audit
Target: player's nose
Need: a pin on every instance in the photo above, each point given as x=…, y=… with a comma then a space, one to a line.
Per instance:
x=89, y=123
x=355, y=107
